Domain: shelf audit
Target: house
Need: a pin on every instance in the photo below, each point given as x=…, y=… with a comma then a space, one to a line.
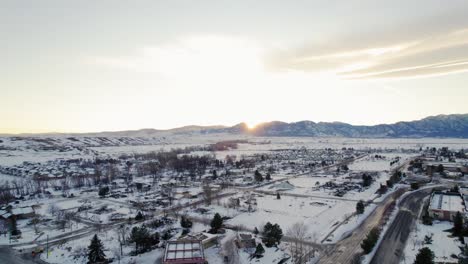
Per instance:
x=246, y=241
x=206, y=239
x=23, y=212
x=184, y=252
x=444, y=206
x=5, y=214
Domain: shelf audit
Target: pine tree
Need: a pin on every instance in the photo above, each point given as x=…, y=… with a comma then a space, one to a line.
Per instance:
x=272, y=234
x=256, y=231
x=259, y=250
x=216, y=223
x=185, y=222
x=139, y=216
x=258, y=176
x=424, y=256
x=96, y=251
x=278, y=196
x=457, y=224
x=360, y=207
x=368, y=244
x=14, y=227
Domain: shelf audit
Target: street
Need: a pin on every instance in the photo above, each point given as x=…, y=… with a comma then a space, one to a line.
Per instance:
x=394, y=240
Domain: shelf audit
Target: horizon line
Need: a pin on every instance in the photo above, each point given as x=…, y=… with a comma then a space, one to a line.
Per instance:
x=210, y=126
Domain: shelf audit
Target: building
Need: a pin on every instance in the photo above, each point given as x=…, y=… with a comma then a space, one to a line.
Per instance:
x=246, y=241
x=184, y=252
x=444, y=206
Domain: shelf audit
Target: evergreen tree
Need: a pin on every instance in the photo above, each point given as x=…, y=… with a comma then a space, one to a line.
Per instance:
x=457, y=224
x=428, y=239
x=258, y=176
x=424, y=256
x=259, y=251
x=368, y=244
x=216, y=223
x=103, y=191
x=143, y=239
x=256, y=231
x=278, y=196
x=366, y=180
x=185, y=222
x=272, y=234
x=360, y=207
x=14, y=227
x=389, y=183
x=96, y=251
x=139, y=216
x=268, y=177
x=463, y=258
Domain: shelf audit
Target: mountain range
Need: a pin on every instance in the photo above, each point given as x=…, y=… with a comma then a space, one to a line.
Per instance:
x=455, y=126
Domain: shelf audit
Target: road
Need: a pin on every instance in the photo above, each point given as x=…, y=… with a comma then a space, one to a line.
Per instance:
x=345, y=250
x=9, y=256
x=394, y=240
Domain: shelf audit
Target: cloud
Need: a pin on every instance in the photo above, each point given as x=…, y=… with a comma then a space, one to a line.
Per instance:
x=193, y=57
x=424, y=48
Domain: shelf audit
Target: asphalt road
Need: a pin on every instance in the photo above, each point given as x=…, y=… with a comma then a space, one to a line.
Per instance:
x=394, y=240
x=9, y=256
x=345, y=250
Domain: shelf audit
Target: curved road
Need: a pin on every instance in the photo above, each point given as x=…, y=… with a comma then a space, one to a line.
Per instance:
x=394, y=240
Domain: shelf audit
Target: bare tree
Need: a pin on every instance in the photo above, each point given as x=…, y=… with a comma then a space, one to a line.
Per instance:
x=53, y=209
x=35, y=221
x=207, y=193
x=298, y=234
x=230, y=250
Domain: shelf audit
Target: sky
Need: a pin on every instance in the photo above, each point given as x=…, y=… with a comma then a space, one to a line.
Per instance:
x=109, y=65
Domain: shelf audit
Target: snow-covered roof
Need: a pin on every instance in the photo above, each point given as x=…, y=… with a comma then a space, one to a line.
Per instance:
x=22, y=211
x=283, y=186
x=447, y=202
x=182, y=250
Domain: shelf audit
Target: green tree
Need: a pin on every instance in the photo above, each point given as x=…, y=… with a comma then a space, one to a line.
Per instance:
x=256, y=231
x=139, y=216
x=14, y=231
x=278, y=196
x=424, y=256
x=414, y=185
x=371, y=239
x=463, y=258
x=216, y=223
x=96, y=251
x=103, y=191
x=258, y=176
x=185, y=222
x=457, y=224
x=143, y=239
x=272, y=234
x=360, y=207
x=259, y=251
x=366, y=180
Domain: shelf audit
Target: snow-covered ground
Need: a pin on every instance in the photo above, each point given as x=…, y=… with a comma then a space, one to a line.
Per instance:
x=443, y=245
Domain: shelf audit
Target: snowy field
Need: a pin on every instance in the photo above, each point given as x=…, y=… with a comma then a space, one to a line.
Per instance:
x=17, y=152
x=443, y=245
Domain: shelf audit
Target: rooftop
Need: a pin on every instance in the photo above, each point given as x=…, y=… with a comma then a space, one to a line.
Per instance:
x=184, y=251
x=447, y=202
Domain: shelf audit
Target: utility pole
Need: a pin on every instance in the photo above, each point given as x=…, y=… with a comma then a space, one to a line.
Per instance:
x=47, y=246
